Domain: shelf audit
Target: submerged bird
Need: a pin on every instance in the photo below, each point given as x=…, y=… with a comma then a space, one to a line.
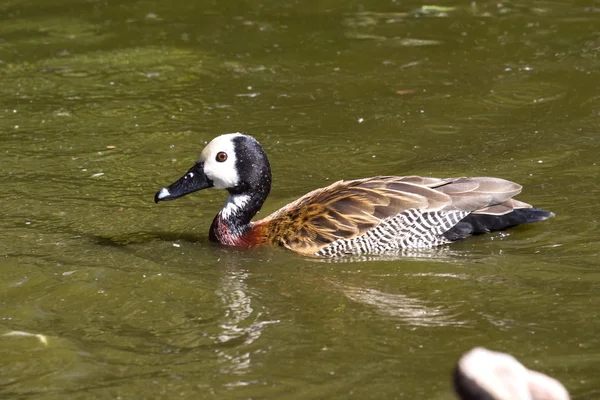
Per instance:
x=363, y=216
x=482, y=374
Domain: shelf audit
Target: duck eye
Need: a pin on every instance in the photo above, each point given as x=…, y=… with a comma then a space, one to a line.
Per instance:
x=221, y=156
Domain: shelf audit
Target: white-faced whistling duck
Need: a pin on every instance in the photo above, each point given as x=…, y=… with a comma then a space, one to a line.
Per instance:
x=363, y=216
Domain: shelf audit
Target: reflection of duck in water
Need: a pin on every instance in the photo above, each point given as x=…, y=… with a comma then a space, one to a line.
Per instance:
x=363, y=216
x=486, y=375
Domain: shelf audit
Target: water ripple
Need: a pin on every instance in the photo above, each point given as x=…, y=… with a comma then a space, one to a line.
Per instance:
x=520, y=94
x=409, y=310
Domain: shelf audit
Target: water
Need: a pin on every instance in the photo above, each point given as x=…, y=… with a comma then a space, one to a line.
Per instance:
x=104, y=103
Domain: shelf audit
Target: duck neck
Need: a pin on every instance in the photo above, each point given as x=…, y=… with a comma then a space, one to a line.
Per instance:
x=234, y=220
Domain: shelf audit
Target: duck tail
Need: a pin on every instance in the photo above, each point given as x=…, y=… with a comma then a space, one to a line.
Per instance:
x=476, y=224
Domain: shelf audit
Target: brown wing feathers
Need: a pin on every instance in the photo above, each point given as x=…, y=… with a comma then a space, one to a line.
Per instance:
x=347, y=209
x=484, y=195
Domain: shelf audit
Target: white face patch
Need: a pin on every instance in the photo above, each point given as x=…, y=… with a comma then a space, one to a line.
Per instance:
x=223, y=174
x=234, y=203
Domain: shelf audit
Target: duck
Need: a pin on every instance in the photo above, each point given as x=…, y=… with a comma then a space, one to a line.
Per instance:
x=367, y=216
x=483, y=374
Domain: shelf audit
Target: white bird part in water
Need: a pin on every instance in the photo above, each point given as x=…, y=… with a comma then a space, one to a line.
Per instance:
x=484, y=374
x=42, y=338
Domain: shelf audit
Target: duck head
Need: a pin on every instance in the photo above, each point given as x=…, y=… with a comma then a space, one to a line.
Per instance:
x=235, y=162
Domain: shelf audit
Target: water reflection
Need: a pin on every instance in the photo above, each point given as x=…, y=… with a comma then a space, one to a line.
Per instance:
x=242, y=323
x=410, y=311
x=444, y=253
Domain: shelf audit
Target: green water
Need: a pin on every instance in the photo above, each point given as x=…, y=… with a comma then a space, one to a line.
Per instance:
x=102, y=103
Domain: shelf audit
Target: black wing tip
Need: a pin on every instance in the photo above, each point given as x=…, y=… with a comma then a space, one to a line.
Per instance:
x=476, y=224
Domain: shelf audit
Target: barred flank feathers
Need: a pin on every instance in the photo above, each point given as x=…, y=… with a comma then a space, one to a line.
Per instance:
x=412, y=229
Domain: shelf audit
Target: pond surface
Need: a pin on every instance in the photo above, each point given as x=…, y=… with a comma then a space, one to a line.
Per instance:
x=103, y=103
